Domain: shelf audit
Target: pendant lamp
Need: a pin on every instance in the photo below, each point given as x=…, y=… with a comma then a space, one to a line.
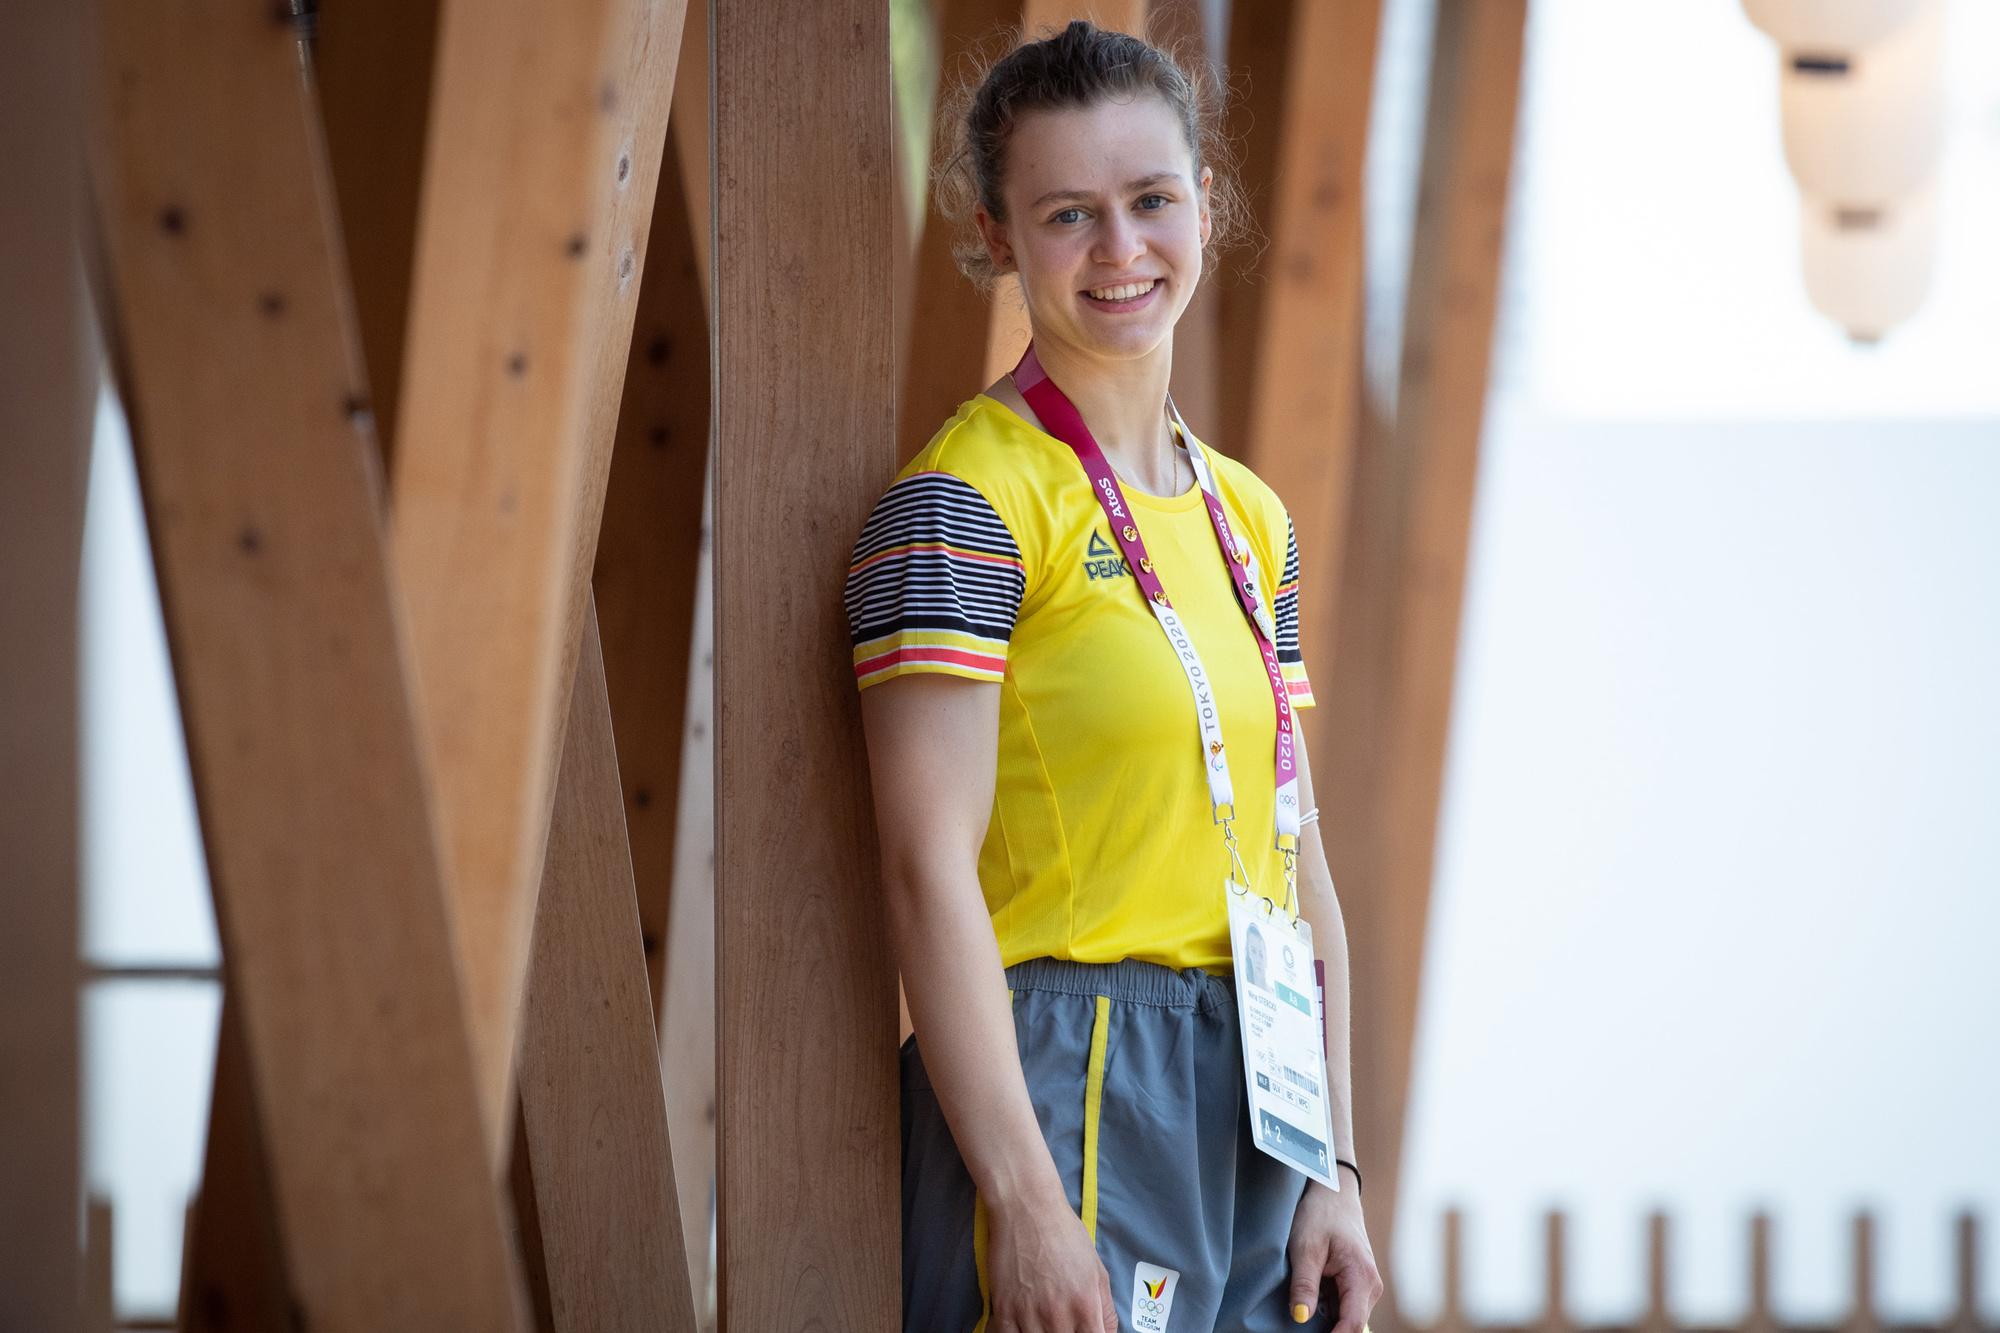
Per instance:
x=1829, y=27
x=1868, y=268
x=1865, y=126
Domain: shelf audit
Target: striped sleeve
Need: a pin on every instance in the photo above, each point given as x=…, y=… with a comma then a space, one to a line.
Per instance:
x=934, y=585
x=1285, y=605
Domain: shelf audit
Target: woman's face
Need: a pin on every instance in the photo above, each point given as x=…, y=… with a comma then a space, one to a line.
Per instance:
x=1102, y=197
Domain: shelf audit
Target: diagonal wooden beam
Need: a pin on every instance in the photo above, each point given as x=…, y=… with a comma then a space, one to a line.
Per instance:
x=262, y=501
x=48, y=383
x=233, y=1260
x=805, y=990
x=373, y=60
x=591, y=1104
x=546, y=127
x=650, y=542
x=1404, y=572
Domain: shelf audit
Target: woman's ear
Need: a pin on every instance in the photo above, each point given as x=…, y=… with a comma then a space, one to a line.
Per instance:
x=995, y=235
x=1207, y=178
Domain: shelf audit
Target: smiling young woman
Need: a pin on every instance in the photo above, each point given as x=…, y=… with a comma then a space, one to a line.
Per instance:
x=1059, y=784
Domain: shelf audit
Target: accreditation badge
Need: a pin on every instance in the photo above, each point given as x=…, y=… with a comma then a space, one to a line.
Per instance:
x=1284, y=1060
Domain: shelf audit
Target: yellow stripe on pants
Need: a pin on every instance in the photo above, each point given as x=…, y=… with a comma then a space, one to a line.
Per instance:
x=1093, y=1106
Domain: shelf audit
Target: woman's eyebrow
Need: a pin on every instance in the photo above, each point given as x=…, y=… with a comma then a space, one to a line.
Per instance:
x=1054, y=196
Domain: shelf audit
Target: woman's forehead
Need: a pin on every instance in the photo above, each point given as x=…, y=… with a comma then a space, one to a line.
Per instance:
x=1101, y=147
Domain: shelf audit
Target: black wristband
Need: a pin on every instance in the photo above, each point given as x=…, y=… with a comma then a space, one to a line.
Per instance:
x=1339, y=1162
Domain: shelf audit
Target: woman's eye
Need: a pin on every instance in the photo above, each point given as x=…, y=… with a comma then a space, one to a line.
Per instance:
x=1163, y=201
x=1064, y=215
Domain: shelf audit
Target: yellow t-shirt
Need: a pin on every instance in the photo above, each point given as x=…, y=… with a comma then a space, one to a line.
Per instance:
x=990, y=558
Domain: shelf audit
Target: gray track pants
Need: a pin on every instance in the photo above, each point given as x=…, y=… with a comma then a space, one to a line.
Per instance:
x=1137, y=1080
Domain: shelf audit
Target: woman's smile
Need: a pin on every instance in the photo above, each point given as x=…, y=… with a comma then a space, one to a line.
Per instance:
x=1119, y=298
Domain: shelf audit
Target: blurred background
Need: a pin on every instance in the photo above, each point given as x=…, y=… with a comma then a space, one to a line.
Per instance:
x=1713, y=918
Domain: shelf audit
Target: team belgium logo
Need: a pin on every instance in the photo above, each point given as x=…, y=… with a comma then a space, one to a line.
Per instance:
x=1102, y=560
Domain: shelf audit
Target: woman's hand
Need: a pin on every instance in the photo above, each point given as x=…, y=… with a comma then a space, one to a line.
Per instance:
x=1044, y=1271
x=1330, y=1242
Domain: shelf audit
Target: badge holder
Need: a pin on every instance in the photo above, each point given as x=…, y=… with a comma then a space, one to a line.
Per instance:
x=1277, y=1003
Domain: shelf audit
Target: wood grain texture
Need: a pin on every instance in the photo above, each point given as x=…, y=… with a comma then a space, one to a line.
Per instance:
x=546, y=127
x=649, y=545
x=805, y=992
x=1389, y=690
x=48, y=382
x=372, y=61
x=262, y=498
x=687, y=1013
x=949, y=322
x=591, y=1103
x=233, y=1261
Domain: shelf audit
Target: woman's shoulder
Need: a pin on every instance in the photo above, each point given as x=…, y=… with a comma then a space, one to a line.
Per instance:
x=1252, y=495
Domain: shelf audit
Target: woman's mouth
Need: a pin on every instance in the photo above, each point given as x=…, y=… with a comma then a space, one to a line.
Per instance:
x=1124, y=296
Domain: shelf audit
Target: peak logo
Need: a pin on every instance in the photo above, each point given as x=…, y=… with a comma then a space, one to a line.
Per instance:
x=1153, y=1289
x=1102, y=560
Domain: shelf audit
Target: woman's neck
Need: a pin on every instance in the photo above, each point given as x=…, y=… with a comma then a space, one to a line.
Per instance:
x=1125, y=405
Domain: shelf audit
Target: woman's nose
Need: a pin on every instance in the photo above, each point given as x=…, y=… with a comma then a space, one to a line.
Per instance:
x=1118, y=242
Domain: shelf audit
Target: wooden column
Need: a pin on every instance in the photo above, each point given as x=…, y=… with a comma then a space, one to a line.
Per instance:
x=1388, y=693
x=48, y=382
x=547, y=123
x=262, y=498
x=805, y=992
x=606, y=1210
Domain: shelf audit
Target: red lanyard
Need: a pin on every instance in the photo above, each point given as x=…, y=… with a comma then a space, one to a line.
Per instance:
x=1059, y=415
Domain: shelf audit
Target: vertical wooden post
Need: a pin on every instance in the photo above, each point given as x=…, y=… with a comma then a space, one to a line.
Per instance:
x=1659, y=1317
x=1453, y=1319
x=1863, y=1317
x=48, y=379
x=1388, y=689
x=1555, y=1260
x=805, y=992
x=1760, y=1318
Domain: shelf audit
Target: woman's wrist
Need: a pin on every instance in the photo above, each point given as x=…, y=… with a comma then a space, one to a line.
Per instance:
x=1023, y=1184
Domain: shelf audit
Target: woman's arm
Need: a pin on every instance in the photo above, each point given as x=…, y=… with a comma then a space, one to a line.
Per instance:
x=1319, y=905
x=932, y=745
x=1329, y=1237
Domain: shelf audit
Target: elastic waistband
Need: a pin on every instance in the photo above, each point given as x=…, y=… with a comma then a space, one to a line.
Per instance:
x=1129, y=980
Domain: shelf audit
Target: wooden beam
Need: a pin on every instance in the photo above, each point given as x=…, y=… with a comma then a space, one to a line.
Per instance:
x=233, y=1264
x=687, y=1014
x=805, y=990
x=262, y=503
x=591, y=1103
x=1389, y=689
x=650, y=544
x=48, y=387
x=547, y=124
x=372, y=62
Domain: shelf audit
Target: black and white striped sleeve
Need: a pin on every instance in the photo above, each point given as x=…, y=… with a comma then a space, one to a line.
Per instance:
x=934, y=584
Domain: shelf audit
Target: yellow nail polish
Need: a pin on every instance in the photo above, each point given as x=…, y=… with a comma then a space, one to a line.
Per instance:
x=1300, y=1313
